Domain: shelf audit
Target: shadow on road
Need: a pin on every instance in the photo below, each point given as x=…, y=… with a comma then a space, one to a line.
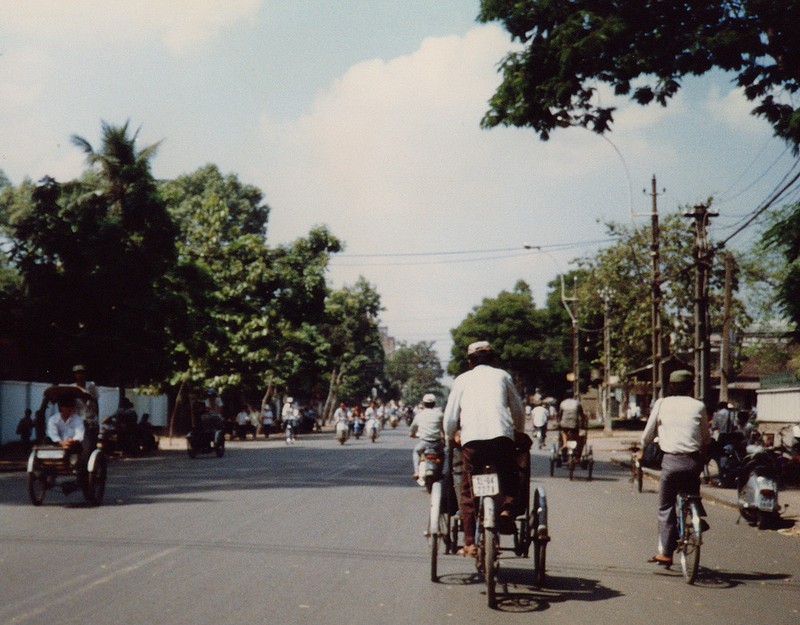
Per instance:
x=515, y=593
x=723, y=580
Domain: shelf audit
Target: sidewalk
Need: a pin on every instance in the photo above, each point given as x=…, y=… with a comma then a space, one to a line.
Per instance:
x=615, y=448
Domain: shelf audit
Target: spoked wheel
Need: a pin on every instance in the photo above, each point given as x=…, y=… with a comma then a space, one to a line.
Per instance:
x=590, y=469
x=95, y=486
x=539, y=541
x=37, y=487
x=434, y=540
x=490, y=542
x=689, y=546
x=571, y=467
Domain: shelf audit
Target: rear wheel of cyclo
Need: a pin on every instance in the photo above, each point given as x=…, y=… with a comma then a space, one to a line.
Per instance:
x=689, y=545
x=539, y=542
x=37, y=487
x=434, y=540
x=96, y=481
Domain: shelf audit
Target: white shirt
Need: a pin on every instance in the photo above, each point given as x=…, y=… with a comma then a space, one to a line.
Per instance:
x=681, y=424
x=242, y=418
x=484, y=404
x=60, y=430
x=429, y=424
x=539, y=414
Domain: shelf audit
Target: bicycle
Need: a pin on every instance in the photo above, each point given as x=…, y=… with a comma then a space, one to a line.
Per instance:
x=690, y=513
x=637, y=473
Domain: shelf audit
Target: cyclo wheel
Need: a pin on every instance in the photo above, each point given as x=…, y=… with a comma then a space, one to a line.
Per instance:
x=689, y=543
x=490, y=565
x=571, y=467
x=37, y=487
x=539, y=543
x=96, y=480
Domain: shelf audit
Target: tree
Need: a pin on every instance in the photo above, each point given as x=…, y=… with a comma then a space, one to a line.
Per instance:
x=643, y=48
x=622, y=271
x=517, y=332
x=94, y=255
x=354, y=353
x=413, y=370
x=253, y=321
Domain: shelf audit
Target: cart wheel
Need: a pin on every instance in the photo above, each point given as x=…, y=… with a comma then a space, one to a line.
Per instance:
x=540, y=561
x=591, y=467
x=96, y=479
x=37, y=487
x=491, y=541
x=571, y=467
x=552, y=467
x=434, y=539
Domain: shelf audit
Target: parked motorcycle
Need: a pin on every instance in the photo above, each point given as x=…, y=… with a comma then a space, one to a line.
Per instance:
x=758, y=487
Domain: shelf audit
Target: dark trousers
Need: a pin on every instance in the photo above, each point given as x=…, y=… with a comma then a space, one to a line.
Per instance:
x=500, y=453
x=678, y=474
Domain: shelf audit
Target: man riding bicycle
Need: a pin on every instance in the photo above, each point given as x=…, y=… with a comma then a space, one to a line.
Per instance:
x=485, y=407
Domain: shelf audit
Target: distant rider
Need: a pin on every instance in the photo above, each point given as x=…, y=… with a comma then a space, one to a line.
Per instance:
x=428, y=423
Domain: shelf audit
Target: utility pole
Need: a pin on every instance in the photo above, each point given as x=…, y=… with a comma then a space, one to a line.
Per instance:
x=606, y=363
x=655, y=289
x=702, y=265
x=725, y=356
x=573, y=315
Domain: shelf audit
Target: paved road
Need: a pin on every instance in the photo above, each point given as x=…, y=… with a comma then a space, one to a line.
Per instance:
x=319, y=533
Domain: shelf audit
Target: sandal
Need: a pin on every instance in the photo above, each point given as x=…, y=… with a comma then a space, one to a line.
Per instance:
x=468, y=551
x=661, y=560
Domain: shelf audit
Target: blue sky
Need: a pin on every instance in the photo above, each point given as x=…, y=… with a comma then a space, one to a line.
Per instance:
x=364, y=116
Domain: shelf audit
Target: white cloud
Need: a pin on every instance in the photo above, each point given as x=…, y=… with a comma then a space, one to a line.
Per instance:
x=180, y=25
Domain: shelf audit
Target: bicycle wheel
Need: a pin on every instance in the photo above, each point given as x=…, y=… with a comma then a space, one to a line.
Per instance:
x=434, y=539
x=638, y=475
x=37, y=487
x=689, y=543
x=490, y=566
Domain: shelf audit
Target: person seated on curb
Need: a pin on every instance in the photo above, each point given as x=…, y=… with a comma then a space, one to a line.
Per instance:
x=485, y=406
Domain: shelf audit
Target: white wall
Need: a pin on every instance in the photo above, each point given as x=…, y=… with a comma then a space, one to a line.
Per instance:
x=16, y=396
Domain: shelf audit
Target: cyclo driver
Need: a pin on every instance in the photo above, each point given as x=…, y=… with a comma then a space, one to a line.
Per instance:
x=485, y=406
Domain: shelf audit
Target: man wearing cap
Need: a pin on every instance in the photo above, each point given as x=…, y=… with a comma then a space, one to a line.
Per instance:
x=681, y=424
x=428, y=424
x=485, y=406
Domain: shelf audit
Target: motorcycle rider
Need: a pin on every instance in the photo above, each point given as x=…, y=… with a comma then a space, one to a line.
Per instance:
x=428, y=422
x=485, y=406
x=539, y=416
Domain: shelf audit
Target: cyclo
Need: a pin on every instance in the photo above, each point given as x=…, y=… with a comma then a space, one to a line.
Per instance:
x=530, y=521
x=576, y=453
x=46, y=463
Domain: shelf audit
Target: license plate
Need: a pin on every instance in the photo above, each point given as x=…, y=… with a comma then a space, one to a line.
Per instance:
x=767, y=504
x=50, y=454
x=485, y=485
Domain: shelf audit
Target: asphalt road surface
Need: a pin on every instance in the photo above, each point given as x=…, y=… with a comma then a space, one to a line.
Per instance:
x=318, y=533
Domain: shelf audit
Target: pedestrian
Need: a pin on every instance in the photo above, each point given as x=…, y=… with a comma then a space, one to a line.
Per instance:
x=25, y=428
x=681, y=424
x=483, y=414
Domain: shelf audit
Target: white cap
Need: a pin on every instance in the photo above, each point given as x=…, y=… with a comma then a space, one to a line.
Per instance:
x=429, y=398
x=478, y=346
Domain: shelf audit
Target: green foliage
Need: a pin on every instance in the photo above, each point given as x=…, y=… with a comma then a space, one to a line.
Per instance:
x=518, y=334
x=641, y=48
x=413, y=370
x=781, y=238
x=93, y=254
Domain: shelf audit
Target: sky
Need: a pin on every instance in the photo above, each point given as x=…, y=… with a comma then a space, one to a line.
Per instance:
x=364, y=116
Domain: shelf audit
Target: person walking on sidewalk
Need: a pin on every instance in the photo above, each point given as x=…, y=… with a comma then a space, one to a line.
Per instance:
x=681, y=425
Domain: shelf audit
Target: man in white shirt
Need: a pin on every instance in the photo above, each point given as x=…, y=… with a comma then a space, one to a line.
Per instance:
x=65, y=428
x=681, y=424
x=485, y=406
x=428, y=424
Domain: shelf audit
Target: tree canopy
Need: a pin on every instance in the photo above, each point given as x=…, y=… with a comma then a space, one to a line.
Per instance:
x=641, y=48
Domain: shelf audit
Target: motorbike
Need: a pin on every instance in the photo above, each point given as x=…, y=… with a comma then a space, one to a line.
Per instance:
x=729, y=456
x=540, y=434
x=204, y=440
x=342, y=432
x=431, y=464
x=757, y=486
x=394, y=420
x=290, y=430
x=373, y=429
x=358, y=428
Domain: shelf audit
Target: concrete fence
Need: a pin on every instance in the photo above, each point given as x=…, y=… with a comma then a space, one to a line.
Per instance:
x=15, y=397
